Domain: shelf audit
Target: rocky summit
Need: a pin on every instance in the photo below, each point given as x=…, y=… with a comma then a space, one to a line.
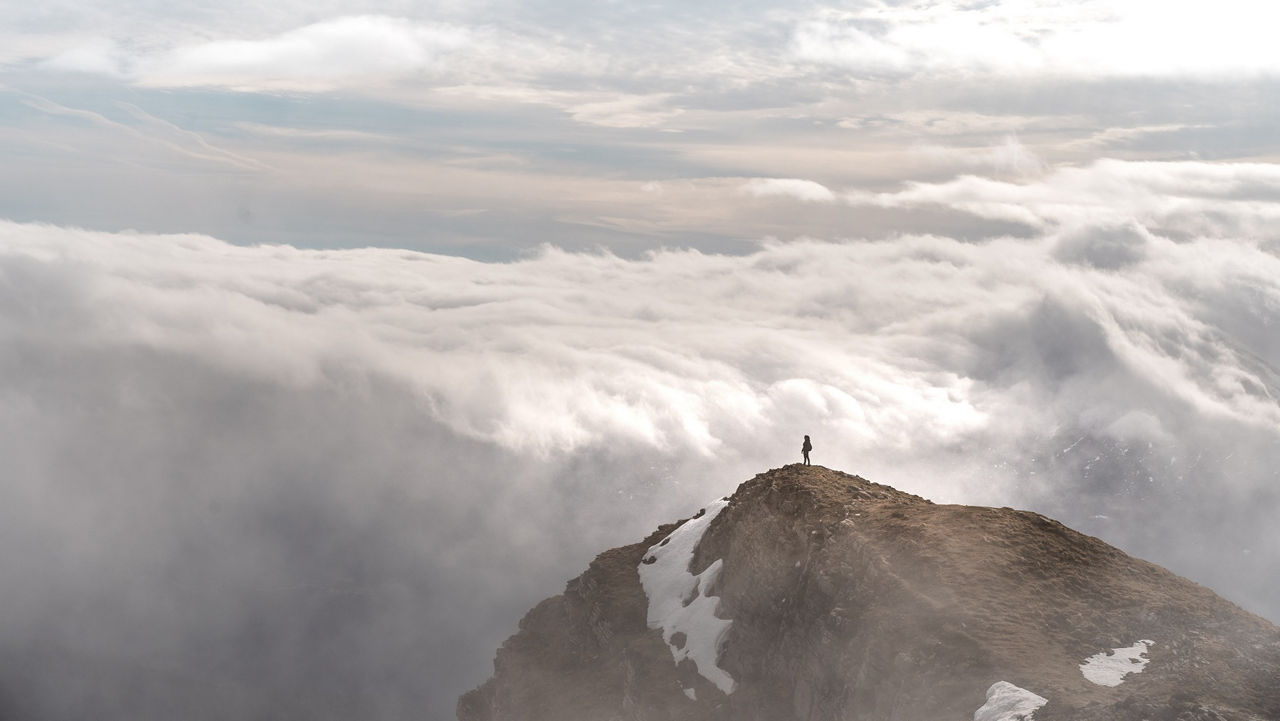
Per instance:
x=814, y=595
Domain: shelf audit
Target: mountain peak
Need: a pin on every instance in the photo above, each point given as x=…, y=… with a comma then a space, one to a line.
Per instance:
x=814, y=594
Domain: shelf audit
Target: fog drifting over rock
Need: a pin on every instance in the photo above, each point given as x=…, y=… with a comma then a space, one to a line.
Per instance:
x=240, y=474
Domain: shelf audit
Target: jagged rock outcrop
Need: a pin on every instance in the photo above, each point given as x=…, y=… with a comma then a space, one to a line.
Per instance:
x=848, y=600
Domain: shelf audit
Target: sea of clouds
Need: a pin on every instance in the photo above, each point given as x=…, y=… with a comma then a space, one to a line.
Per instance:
x=245, y=478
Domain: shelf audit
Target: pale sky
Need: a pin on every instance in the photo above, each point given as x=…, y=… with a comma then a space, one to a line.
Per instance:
x=485, y=129
x=335, y=335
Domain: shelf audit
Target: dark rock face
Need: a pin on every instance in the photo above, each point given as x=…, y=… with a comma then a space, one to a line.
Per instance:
x=853, y=601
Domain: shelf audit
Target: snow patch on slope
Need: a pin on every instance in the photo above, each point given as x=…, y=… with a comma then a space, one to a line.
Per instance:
x=678, y=600
x=1110, y=667
x=1006, y=702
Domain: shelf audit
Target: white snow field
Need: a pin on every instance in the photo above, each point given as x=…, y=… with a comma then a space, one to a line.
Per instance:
x=678, y=602
x=1006, y=702
x=1110, y=667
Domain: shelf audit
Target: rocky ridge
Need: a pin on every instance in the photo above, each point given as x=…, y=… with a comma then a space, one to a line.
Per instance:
x=845, y=599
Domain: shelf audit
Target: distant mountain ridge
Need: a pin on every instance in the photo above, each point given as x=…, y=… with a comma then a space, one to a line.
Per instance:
x=814, y=595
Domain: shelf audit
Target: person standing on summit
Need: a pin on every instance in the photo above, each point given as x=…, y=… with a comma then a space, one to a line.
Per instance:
x=805, y=450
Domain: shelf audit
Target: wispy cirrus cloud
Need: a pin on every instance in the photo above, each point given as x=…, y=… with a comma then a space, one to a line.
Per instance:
x=149, y=132
x=540, y=104
x=1097, y=38
x=1240, y=200
x=316, y=57
x=800, y=189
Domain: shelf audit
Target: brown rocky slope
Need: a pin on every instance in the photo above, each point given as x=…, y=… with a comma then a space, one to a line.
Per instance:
x=848, y=600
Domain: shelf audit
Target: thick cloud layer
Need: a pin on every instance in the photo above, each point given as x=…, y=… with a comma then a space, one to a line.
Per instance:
x=244, y=45
x=252, y=478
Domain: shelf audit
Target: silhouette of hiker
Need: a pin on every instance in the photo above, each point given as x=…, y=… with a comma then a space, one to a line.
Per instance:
x=805, y=450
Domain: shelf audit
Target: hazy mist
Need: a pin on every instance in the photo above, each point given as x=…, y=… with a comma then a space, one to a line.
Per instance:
x=335, y=479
